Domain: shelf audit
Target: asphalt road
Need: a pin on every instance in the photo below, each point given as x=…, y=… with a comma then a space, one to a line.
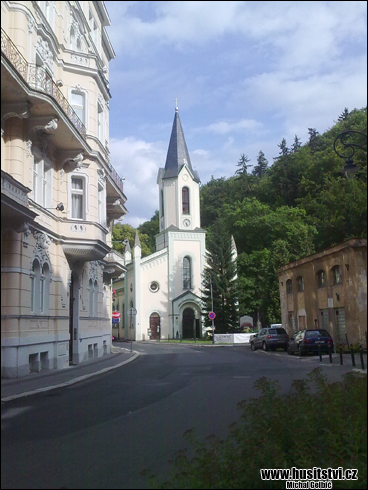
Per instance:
x=102, y=432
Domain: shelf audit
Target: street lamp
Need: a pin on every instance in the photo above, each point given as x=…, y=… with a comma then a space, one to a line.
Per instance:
x=349, y=169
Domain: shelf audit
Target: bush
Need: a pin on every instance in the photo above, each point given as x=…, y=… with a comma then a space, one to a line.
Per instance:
x=318, y=424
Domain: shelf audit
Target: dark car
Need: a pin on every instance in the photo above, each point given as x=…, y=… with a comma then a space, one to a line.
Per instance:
x=306, y=341
x=270, y=338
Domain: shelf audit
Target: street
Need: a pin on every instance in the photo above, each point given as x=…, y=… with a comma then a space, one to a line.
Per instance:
x=100, y=433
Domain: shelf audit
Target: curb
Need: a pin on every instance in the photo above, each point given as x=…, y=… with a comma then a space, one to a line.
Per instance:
x=68, y=383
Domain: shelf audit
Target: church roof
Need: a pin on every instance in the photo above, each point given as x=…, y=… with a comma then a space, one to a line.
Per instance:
x=177, y=154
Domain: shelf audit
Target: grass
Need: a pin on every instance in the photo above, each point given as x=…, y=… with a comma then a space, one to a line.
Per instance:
x=318, y=424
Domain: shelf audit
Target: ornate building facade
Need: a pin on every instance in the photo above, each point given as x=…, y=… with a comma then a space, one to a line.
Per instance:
x=59, y=193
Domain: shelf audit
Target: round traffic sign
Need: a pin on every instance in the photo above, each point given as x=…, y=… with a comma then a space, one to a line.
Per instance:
x=211, y=315
x=132, y=311
x=116, y=314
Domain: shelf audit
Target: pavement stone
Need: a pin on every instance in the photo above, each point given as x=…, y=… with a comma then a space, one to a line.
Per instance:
x=49, y=380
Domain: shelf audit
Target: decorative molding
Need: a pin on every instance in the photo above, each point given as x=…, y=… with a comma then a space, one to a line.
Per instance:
x=16, y=109
x=41, y=250
x=44, y=50
x=93, y=273
x=78, y=228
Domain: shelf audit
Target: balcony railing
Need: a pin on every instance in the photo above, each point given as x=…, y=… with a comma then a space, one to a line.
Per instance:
x=38, y=79
x=116, y=178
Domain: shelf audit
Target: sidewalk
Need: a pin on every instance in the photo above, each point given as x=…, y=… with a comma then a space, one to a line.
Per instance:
x=49, y=380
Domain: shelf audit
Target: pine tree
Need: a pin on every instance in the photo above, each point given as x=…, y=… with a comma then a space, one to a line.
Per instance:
x=284, y=150
x=344, y=115
x=220, y=273
x=296, y=145
x=242, y=164
x=312, y=143
x=260, y=169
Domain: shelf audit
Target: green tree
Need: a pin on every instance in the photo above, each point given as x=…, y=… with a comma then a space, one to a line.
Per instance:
x=151, y=229
x=121, y=232
x=261, y=167
x=296, y=145
x=243, y=166
x=220, y=273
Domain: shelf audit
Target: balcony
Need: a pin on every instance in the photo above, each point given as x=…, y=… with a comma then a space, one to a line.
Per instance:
x=38, y=79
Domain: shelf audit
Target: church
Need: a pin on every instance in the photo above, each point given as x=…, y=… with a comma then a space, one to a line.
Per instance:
x=162, y=292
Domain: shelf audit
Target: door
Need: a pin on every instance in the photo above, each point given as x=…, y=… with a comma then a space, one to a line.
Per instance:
x=340, y=325
x=155, y=326
x=188, y=323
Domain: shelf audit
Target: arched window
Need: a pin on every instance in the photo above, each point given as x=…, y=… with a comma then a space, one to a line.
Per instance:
x=40, y=280
x=185, y=200
x=336, y=275
x=300, y=284
x=321, y=279
x=187, y=273
x=289, y=286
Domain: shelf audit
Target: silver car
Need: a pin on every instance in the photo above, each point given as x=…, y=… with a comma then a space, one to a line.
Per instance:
x=270, y=339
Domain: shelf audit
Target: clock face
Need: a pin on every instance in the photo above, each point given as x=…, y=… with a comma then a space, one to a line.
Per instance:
x=186, y=222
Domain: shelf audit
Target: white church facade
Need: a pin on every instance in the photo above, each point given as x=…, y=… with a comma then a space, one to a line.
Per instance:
x=164, y=289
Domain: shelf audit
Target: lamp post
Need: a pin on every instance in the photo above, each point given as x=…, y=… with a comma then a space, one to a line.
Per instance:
x=349, y=169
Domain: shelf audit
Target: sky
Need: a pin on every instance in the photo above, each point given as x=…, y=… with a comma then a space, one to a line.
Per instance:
x=245, y=76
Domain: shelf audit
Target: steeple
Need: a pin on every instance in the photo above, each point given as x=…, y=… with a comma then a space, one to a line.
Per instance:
x=177, y=154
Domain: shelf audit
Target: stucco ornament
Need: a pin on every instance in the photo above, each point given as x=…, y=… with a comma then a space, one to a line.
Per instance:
x=41, y=250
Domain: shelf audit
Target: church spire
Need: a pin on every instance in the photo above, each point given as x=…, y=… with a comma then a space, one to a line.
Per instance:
x=177, y=154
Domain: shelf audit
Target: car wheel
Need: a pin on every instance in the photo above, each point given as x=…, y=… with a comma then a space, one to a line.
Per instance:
x=301, y=353
x=253, y=347
x=264, y=346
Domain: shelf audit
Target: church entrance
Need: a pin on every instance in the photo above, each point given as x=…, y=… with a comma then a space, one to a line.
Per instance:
x=155, y=326
x=190, y=324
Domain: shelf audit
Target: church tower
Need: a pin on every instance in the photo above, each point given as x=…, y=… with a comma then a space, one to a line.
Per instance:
x=165, y=287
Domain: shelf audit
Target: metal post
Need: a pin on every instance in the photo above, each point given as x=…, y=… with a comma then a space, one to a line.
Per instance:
x=361, y=356
x=352, y=354
x=319, y=352
x=213, y=325
x=131, y=330
x=330, y=351
x=341, y=361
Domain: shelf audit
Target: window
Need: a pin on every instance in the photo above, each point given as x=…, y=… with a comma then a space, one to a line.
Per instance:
x=40, y=279
x=47, y=10
x=321, y=279
x=93, y=27
x=289, y=286
x=185, y=200
x=162, y=203
x=42, y=180
x=154, y=287
x=95, y=299
x=101, y=205
x=90, y=297
x=300, y=284
x=100, y=123
x=78, y=200
x=187, y=273
x=336, y=275
x=77, y=101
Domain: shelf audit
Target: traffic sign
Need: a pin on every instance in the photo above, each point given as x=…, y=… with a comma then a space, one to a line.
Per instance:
x=115, y=321
x=211, y=315
x=116, y=314
x=132, y=311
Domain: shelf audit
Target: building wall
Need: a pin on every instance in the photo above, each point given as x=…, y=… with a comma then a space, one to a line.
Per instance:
x=339, y=306
x=48, y=56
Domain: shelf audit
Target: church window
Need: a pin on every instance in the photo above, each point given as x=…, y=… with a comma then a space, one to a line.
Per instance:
x=185, y=200
x=187, y=273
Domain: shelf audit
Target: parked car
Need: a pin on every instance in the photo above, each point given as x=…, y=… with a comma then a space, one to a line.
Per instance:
x=270, y=338
x=310, y=340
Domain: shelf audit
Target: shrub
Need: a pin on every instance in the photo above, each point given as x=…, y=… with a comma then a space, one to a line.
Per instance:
x=317, y=424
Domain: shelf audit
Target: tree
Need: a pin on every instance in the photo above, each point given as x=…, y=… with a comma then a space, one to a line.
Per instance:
x=344, y=115
x=296, y=145
x=312, y=142
x=243, y=166
x=284, y=150
x=121, y=232
x=260, y=169
x=220, y=273
x=151, y=229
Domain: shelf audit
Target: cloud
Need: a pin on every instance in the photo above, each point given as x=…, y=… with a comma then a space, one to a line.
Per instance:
x=225, y=127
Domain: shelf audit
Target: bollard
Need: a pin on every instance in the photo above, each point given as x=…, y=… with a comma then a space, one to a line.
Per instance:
x=330, y=351
x=352, y=354
x=341, y=361
x=181, y=338
x=361, y=356
x=319, y=352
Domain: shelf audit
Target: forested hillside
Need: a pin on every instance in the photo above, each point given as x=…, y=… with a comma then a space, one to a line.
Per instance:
x=283, y=210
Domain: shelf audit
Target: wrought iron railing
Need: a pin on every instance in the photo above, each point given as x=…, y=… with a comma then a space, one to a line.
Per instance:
x=117, y=179
x=39, y=79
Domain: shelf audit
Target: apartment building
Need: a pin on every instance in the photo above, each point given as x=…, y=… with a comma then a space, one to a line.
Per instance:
x=328, y=290
x=59, y=193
